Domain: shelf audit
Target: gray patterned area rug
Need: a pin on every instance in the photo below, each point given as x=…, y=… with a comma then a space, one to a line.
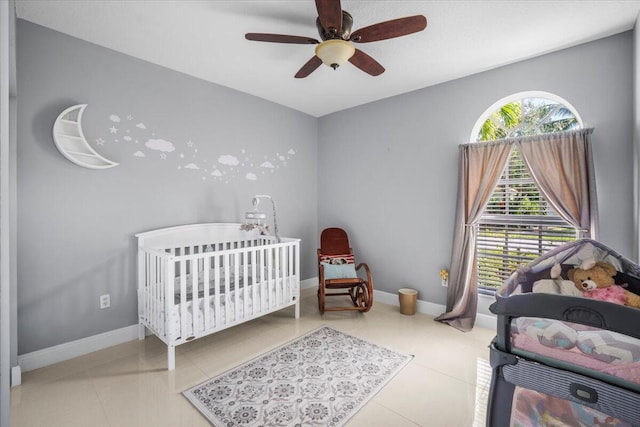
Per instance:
x=319, y=379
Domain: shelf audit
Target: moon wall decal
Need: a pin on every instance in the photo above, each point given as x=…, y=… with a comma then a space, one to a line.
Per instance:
x=70, y=140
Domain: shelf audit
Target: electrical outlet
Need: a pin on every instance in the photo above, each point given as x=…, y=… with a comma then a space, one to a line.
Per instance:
x=105, y=301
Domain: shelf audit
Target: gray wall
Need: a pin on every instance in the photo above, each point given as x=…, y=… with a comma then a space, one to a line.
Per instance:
x=389, y=169
x=386, y=171
x=76, y=226
x=8, y=332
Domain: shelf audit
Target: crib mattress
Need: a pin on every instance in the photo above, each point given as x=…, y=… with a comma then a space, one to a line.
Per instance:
x=227, y=304
x=226, y=281
x=263, y=300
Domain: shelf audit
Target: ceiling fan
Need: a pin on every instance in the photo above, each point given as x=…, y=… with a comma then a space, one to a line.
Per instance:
x=336, y=48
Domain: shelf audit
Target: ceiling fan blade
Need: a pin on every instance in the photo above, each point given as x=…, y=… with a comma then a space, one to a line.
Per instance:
x=280, y=38
x=390, y=29
x=366, y=63
x=309, y=67
x=330, y=14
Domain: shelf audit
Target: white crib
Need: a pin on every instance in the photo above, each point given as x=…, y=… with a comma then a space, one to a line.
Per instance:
x=247, y=276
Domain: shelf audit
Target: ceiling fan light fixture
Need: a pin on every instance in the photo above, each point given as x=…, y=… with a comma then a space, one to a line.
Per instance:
x=335, y=52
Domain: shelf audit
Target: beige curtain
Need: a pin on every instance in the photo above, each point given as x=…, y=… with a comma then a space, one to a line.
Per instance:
x=480, y=166
x=561, y=164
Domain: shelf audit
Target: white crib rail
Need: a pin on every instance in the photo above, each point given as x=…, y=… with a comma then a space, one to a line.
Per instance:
x=152, y=302
x=254, y=276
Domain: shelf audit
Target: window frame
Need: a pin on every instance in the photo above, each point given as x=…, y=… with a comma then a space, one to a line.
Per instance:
x=517, y=97
x=489, y=219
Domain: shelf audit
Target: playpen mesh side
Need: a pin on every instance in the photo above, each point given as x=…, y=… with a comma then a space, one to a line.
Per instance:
x=608, y=399
x=568, y=256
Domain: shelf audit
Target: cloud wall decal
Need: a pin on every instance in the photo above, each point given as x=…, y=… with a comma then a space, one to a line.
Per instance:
x=185, y=154
x=160, y=145
x=229, y=160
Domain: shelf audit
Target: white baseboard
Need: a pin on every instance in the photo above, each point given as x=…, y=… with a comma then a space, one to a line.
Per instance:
x=16, y=376
x=424, y=307
x=487, y=321
x=59, y=353
x=48, y=356
x=483, y=320
x=311, y=283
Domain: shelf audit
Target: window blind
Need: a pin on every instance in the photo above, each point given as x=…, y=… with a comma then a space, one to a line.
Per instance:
x=518, y=226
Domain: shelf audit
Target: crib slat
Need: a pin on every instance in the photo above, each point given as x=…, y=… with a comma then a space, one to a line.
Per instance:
x=143, y=281
x=269, y=276
x=245, y=282
x=169, y=287
x=283, y=274
x=155, y=287
x=166, y=270
x=206, y=265
x=155, y=291
x=183, y=298
x=227, y=299
x=142, y=297
x=236, y=277
x=216, y=289
x=195, y=301
x=297, y=275
x=292, y=263
x=290, y=275
x=254, y=280
x=290, y=271
x=264, y=279
x=160, y=292
x=277, y=274
x=143, y=284
x=261, y=274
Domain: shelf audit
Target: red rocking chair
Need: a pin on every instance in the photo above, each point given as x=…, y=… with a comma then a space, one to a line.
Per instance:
x=337, y=272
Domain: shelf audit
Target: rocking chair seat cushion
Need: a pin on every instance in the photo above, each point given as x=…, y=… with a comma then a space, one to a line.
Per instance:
x=338, y=259
x=339, y=271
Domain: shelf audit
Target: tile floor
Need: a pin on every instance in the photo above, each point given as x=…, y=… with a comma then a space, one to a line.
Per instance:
x=446, y=384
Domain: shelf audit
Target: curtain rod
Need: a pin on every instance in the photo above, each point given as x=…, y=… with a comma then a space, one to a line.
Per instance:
x=583, y=131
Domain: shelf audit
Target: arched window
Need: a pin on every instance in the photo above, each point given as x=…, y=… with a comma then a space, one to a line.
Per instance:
x=526, y=113
x=518, y=225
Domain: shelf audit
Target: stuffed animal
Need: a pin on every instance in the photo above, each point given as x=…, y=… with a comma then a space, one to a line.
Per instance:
x=557, y=287
x=595, y=280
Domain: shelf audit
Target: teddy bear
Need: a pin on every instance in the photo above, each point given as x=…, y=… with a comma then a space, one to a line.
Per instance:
x=595, y=280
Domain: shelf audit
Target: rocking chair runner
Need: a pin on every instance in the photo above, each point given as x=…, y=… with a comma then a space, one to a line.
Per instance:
x=336, y=272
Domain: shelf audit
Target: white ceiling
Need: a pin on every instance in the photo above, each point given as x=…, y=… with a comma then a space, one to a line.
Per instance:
x=205, y=39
